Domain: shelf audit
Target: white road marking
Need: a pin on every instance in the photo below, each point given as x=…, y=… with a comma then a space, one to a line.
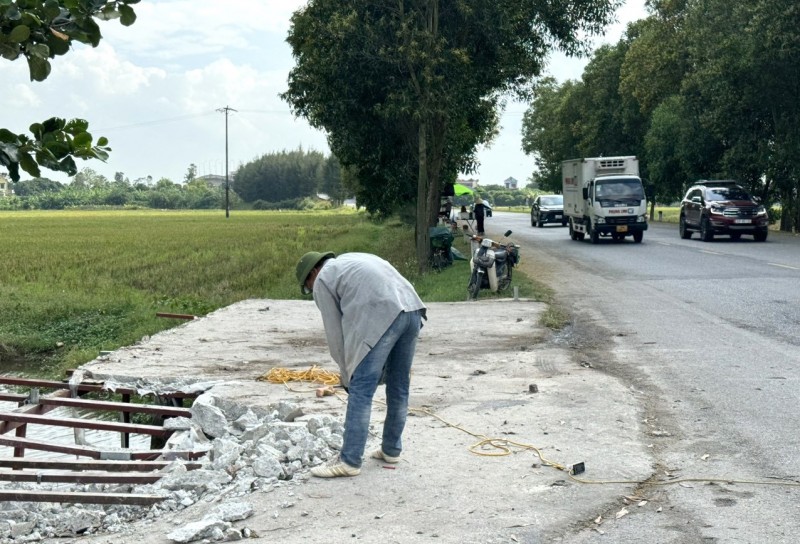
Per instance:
x=784, y=266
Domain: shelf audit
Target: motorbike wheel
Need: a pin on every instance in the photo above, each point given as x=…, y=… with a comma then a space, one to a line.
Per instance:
x=474, y=286
x=438, y=260
x=504, y=283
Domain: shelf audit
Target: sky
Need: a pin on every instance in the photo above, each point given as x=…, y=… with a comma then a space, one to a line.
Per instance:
x=156, y=90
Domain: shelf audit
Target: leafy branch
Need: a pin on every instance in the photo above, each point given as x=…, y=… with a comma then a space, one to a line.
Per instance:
x=40, y=30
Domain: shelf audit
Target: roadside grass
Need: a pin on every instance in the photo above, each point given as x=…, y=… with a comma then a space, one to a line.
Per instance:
x=669, y=214
x=515, y=209
x=74, y=283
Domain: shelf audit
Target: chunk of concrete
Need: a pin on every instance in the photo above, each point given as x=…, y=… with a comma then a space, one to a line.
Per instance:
x=232, y=511
x=207, y=528
x=225, y=453
x=210, y=418
x=267, y=466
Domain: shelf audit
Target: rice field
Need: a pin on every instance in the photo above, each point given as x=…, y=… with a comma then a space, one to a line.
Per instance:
x=73, y=283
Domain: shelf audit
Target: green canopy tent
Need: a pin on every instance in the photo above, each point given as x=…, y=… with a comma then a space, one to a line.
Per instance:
x=462, y=190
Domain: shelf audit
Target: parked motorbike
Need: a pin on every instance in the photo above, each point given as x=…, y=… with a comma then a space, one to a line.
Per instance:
x=491, y=264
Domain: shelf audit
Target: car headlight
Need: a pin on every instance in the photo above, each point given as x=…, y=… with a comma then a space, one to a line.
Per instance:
x=761, y=210
x=717, y=210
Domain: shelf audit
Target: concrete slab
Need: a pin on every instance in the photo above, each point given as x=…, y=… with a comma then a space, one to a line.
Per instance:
x=472, y=381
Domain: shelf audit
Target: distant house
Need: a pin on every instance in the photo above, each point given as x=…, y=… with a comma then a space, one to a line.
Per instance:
x=5, y=187
x=471, y=182
x=215, y=180
x=511, y=183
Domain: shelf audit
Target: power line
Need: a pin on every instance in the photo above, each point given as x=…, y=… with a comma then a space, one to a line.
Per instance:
x=267, y=111
x=168, y=120
x=157, y=121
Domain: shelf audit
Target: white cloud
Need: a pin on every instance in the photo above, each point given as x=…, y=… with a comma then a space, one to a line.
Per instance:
x=106, y=72
x=154, y=90
x=22, y=96
x=178, y=29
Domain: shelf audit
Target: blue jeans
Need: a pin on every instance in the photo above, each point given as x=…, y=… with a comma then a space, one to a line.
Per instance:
x=393, y=354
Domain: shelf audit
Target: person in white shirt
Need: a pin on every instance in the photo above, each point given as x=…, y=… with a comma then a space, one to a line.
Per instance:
x=372, y=316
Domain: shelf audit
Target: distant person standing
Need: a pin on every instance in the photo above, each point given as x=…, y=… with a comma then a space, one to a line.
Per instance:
x=372, y=316
x=480, y=212
x=448, y=193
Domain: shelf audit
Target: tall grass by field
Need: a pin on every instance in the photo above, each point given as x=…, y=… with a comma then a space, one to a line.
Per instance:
x=668, y=214
x=73, y=283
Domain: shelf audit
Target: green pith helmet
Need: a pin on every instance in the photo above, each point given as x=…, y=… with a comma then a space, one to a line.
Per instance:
x=307, y=264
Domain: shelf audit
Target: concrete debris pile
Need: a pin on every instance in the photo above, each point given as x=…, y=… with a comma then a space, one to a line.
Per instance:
x=248, y=451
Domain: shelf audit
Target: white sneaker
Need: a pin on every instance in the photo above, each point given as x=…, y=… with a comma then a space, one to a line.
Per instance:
x=335, y=468
x=378, y=454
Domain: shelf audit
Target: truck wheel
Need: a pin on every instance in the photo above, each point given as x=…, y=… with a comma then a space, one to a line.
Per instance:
x=761, y=235
x=637, y=237
x=685, y=232
x=706, y=231
x=594, y=236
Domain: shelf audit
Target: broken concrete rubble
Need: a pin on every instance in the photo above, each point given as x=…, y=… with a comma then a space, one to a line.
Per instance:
x=251, y=454
x=215, y=526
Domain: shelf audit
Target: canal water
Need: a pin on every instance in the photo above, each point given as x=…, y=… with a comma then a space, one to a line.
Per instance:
x=104, y=440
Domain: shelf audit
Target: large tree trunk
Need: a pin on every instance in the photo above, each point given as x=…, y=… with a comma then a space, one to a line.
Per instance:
x=427, y=184
x=423, y=206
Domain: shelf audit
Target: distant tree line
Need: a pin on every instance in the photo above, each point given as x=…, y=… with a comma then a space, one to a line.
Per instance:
x=89, y=189
x=697, y=90
x=285, y=180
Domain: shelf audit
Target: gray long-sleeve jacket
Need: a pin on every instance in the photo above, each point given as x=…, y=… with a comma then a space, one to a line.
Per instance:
x=359, y=296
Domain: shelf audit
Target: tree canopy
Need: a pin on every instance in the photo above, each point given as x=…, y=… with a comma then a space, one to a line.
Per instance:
x=40, y=30
x=408, y=89
x=283, y=176
x=703, y=89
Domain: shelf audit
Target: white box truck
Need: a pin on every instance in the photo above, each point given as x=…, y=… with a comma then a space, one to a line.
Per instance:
x=604, y=196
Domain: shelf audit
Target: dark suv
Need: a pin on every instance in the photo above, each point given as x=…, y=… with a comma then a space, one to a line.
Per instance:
x=722, y=207
x=548, y=209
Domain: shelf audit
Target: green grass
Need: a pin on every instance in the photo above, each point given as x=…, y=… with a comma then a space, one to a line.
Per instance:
x=74, y=283
x=669, y=214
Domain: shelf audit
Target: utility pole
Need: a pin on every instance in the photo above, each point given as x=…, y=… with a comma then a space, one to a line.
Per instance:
x=226, y=110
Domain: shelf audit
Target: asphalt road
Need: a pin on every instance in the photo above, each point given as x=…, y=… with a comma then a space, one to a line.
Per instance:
x=706, y=333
